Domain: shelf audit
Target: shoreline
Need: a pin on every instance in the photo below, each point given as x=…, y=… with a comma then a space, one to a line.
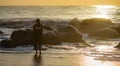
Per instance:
x=52, y=60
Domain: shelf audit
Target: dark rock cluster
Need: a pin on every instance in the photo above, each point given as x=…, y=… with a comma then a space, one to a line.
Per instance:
x=58, y=32
x=51, y=36
x=99, y=28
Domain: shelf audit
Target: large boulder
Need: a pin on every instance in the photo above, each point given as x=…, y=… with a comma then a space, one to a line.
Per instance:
x=50, y=36
x=1, y=32
x=7, y=44
x=94, y=24
x=105, y=33
x=74, y=22
x=69, y=33
x=22, y=37
x=25, y=37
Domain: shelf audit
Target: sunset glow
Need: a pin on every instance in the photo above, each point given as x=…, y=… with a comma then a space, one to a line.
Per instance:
x=58, y=2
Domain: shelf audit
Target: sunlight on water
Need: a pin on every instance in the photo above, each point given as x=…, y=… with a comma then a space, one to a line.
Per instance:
x=103, y=47
x=104, y=6
x=103, y=11
x=93, y=62
x=100, y=56
x=102, y=16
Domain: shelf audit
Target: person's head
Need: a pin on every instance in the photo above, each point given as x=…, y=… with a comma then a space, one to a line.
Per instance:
x=38, y=21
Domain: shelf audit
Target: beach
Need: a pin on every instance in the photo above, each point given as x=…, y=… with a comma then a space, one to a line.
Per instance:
x=65, y=30
x=51, y=59
x=61, y=55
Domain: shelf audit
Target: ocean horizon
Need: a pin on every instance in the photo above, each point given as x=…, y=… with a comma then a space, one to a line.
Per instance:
x=60, y=12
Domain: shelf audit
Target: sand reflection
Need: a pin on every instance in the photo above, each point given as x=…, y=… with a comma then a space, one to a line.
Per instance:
x=90, y=61
x=37, y=60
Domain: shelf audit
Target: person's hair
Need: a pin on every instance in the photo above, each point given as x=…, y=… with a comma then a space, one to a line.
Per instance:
x=37, y=20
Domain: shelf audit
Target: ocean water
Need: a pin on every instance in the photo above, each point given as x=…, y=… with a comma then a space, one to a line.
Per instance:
x=103, y=49
x=63, y=12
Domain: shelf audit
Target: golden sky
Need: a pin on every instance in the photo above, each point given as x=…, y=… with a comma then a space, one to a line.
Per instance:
x=59, y=2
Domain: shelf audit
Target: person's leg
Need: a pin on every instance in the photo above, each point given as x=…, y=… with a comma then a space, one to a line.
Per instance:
x=35, y=44
x=36, y=49
x=39, y=49
x=36, y=52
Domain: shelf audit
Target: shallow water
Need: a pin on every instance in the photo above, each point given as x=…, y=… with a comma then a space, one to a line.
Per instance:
x=52, y=59
x=102, y=50
x=68, y=54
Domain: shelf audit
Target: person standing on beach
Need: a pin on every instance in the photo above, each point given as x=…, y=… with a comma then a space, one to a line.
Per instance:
x=38, y=32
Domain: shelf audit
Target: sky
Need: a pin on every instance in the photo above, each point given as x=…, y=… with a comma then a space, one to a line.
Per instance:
x=58, y=2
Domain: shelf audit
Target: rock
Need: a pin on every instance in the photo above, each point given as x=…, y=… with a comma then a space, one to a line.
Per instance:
x=118, y=46
x=50, y=36
x=25, y=37
x=69, y=34
x=1, y=32
x=75, y=22
x=94, y=24
x=22, y=36
x=7, y=44
x=105, y=33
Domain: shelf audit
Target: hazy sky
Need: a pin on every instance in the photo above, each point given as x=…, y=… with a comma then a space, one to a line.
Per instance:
x=59, y=2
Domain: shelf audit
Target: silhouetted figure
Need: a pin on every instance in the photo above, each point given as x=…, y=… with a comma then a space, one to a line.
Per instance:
x=38, y=32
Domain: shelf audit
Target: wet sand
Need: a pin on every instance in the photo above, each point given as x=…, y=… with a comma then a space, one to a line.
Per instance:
x=52, y=59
